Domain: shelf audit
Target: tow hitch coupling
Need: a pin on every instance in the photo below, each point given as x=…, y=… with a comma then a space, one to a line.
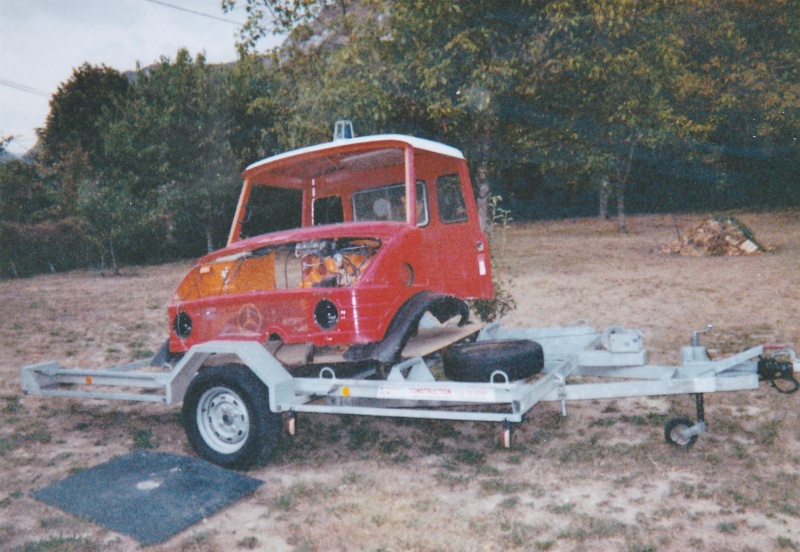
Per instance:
x=773, y=370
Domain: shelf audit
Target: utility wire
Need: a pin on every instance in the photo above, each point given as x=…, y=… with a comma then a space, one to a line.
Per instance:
x=195, y=12
x=23, y=88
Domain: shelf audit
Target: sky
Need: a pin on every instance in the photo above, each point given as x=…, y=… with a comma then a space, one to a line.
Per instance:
x=43, y=41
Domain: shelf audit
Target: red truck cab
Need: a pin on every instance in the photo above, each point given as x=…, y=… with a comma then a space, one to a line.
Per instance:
x=388, y=231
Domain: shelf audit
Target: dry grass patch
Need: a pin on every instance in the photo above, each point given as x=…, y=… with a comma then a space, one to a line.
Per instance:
x=600, y=479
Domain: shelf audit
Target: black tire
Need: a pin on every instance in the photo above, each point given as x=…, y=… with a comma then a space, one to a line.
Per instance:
x=672, y=431
x=227, y=418
x=476, y=362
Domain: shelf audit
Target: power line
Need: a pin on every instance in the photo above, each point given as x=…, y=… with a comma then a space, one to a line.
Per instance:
x=23, y=88
x=195, y=12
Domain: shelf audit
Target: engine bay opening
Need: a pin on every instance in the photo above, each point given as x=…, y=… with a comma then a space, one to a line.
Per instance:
x=328, y=263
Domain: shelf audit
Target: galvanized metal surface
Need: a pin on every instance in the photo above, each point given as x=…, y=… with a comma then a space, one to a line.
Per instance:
x=572, y=354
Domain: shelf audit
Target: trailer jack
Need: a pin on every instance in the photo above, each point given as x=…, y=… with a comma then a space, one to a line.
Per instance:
x=681, y=431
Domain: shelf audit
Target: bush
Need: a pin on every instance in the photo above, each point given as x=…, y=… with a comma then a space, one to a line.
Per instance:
x=51, y=246
x=489, y=310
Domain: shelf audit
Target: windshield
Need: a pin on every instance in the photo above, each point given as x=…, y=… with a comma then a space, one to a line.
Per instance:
x=335, y=170
x=349, y=182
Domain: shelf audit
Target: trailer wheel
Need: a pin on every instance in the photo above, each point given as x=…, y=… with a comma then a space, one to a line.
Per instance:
x=673, y=432
x=227, y=418
x=476, y=362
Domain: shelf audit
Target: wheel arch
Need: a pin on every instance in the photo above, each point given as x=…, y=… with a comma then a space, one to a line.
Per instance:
x=227, y=418
x=251, y=354
x=405, y=322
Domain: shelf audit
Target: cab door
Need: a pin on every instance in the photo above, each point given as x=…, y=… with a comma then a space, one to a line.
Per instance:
x=455, y=237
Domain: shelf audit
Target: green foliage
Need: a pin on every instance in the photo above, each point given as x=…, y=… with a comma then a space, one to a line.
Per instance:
x=503, y=301
x=469, y=456
x=42, y=247
x=4, y=141
x=278, y=16
x=23, y=196
x=659, y=106
x=76, y=110
x=170, y=156
x=143, y=439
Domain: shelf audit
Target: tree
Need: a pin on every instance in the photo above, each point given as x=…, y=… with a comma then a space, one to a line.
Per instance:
x=169, y=149
x=592, y=92
x=23, y=197
x=119, y=221
x=396, y=67
x=753, y=57
x=265, y=17
x=75, y=110
x=4, y=141
x=464, y=74
x=19, y=202
x=253, y=89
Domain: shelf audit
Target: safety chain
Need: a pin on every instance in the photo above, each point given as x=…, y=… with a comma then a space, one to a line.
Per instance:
x=772, y=370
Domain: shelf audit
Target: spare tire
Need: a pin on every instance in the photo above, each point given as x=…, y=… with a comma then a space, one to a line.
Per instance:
x=476, y=362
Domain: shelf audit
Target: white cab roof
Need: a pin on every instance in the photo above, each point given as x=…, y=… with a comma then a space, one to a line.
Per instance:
x=416, y=143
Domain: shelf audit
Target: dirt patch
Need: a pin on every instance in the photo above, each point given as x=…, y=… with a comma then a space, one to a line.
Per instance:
x=600, y=479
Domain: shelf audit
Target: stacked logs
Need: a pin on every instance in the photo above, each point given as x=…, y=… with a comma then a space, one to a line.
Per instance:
x=715, y=236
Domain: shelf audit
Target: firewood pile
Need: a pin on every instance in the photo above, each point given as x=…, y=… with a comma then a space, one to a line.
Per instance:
x=715, y=236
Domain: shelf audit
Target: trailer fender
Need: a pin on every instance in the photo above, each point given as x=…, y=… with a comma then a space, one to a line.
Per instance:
x=252, y=355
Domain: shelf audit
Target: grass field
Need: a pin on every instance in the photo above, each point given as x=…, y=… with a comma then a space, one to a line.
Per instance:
x=600, y=479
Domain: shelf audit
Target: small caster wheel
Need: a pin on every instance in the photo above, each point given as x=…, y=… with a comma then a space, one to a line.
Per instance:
x=505, y=434
x=290, y=423
x=675, y=432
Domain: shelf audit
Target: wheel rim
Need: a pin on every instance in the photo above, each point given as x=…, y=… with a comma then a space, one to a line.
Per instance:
x=678, y=437
x=222, y=420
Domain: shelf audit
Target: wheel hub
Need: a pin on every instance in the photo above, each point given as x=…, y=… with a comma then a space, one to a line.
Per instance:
x=679, y=435
x=223, y=420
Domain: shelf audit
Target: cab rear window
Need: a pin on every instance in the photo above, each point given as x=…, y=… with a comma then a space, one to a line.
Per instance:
x=452, y=207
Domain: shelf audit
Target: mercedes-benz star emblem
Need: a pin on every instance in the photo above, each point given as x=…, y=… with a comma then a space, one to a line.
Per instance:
x=249, y=319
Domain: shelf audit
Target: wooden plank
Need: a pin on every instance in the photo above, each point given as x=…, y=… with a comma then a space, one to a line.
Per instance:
x=427, y=341
x=430, y=340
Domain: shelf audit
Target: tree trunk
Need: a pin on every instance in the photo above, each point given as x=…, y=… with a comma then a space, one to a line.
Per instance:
x=14, y=269
x=484, y=189
x=621, y=207
x=604, y=196
x=113, y=256
x=622, y=181
x=209, y=239
x=484, y=192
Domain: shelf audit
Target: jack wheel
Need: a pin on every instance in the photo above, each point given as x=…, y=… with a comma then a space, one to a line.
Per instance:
x=227, y=418
x=505, y=434
x=674, y=432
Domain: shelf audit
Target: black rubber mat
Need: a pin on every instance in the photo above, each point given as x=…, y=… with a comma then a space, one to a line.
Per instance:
x=149, y=496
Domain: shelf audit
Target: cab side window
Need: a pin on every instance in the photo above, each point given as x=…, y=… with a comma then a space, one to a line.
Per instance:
x=389, y=203
x=451, y=199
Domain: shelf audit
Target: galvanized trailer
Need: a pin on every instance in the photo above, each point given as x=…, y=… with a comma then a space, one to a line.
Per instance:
x=237, y=390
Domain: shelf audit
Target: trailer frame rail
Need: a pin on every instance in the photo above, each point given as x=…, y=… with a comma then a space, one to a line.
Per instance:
x=580, y=364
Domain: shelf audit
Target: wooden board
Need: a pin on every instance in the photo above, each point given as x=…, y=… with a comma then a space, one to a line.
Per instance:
x=430, y=340
x=427, y=341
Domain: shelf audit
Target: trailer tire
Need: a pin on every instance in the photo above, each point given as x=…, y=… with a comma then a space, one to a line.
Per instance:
x=477, y=362
x=227, y=418
x=672, y=432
